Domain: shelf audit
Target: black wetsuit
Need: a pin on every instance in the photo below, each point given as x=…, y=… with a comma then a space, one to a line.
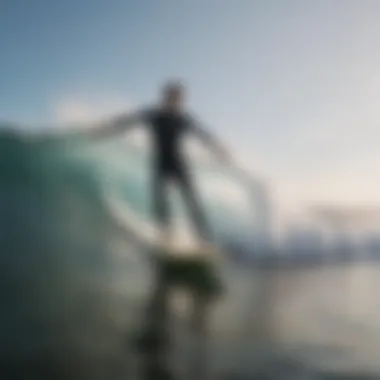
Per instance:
x=167, y=131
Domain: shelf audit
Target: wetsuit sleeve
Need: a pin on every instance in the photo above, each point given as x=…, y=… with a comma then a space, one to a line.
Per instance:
x=208, y=139
x=120, y=124
x=202, y=133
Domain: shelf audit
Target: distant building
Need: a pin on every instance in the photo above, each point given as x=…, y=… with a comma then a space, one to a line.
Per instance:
x=371, y=244
x=302, y=240
x=344, y=245
x=344, y=224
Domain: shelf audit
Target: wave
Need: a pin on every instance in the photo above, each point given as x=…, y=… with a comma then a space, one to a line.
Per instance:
x=73, y=280
x=65, y=262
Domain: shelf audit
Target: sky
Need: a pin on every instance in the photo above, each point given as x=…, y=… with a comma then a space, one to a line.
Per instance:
x=293, y=86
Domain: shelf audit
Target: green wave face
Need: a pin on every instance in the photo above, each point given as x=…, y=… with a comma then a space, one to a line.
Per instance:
x=71, y=284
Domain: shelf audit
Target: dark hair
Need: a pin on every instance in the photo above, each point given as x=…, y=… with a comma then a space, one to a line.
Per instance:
x=173, y=86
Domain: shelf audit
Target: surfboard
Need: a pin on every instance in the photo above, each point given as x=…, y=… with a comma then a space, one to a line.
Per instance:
x=191, y=272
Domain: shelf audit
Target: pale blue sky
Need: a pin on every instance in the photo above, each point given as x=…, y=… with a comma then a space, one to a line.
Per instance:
x=294, y=84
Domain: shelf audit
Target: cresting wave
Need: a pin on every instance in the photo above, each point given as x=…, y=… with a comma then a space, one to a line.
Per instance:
x=72, y=281
x=69, y=273
x=58, y=276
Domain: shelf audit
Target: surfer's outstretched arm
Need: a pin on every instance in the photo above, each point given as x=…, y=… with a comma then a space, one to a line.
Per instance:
x=97, y=130
x=119, y=124
x=208, y=139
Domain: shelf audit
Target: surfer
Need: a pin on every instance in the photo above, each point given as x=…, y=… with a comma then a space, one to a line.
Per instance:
x=168, y=124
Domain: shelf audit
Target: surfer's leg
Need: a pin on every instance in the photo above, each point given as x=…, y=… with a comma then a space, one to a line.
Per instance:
x=156, y=324
x=195, y=208
x=161, y=205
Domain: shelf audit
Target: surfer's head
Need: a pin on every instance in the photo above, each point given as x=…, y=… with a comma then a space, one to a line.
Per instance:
x=173, y=95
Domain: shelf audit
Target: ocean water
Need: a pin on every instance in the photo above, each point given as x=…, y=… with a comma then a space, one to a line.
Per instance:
x=73, y=282
x=69, y=271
